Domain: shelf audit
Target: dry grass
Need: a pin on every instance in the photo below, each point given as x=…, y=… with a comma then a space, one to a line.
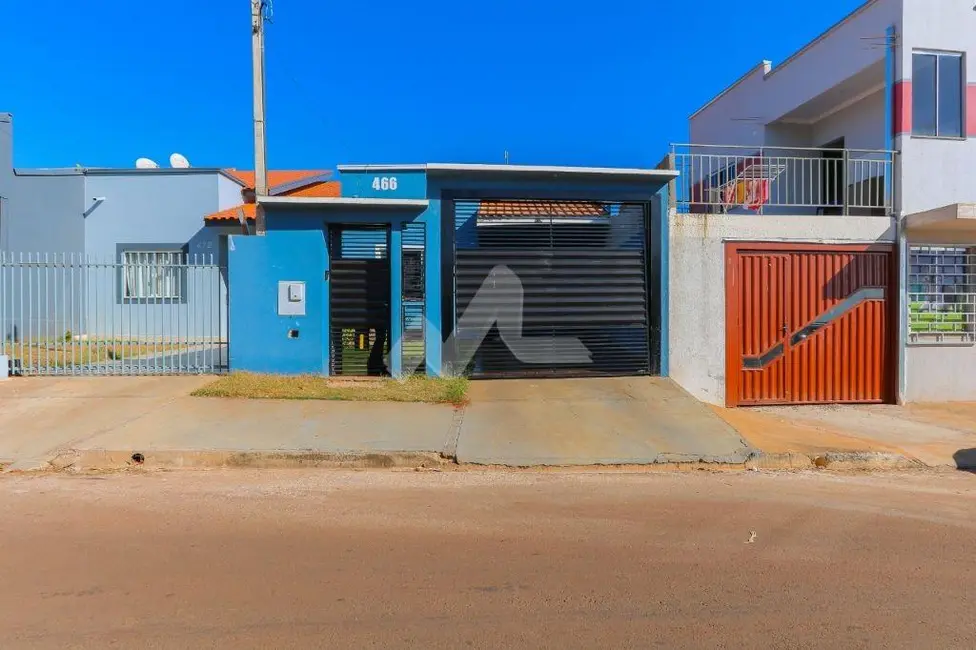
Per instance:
x=415, y=389
x=59, y=354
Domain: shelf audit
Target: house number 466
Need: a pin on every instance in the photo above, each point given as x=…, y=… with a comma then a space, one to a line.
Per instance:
x=384, y=183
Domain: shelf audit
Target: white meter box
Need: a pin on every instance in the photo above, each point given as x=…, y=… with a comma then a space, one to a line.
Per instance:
x=291, y=298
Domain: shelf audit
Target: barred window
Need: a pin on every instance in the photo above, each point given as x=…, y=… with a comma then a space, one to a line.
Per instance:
x=413, y=274
x=942, y=293
x=152, y=275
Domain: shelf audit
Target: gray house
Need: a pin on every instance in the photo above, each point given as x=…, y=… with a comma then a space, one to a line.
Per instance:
x=111, y=266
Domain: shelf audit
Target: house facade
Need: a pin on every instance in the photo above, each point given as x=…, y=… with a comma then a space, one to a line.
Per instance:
x=94, y=259
x=487, y=270
x=863, y=139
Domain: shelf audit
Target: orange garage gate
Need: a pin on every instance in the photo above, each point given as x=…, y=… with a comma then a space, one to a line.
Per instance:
x=810, y=323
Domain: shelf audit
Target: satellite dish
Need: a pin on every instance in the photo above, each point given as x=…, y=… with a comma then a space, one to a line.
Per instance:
x=146, y=163
x=179, y=161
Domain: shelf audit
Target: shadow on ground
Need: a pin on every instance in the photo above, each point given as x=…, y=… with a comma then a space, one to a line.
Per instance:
x=965, y=460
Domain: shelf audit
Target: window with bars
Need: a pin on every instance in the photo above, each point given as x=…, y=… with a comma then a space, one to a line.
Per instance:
x=942, y=293
x=413, y=274
x=152, y=275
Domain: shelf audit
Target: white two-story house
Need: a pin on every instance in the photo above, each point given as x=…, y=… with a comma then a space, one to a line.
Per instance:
x=850, y=166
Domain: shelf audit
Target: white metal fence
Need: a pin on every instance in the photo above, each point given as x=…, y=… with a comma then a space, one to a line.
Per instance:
x=783, y=180
x=147, y=313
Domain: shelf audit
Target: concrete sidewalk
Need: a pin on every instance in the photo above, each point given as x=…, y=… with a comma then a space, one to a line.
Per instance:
x=936, y=435
x=102, y=422
x=516, y=423
x=43, y=418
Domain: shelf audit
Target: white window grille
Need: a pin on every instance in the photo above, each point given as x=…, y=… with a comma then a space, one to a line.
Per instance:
x=152, y=275
x=942, y=294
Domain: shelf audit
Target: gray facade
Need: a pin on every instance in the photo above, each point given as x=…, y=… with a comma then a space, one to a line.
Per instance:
x=140, y=207
x=91, y=218
x=160, y=210
x=46, y=213
x=6, y=172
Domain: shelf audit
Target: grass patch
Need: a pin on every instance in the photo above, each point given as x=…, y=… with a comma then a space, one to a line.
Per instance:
x=415, y=389
x=61, y=354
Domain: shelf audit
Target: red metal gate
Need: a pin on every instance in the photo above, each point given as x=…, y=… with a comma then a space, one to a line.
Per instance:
x=809, y=324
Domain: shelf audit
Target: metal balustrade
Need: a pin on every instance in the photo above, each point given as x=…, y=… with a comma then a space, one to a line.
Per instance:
x=779, y=180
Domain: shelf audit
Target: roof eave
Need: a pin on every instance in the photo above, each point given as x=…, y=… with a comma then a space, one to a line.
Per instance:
x=342, y=202
x=518, y=170
x=291, y=186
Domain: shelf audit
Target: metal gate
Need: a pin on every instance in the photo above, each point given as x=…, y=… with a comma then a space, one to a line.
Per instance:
x=809, y=324
x=359, y=300
x=143, y=313
x=551, y=288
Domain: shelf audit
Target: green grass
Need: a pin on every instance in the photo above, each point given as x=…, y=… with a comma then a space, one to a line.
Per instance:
x=56, y=353
x=244, y=385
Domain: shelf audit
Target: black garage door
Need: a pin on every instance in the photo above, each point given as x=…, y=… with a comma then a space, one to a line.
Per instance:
x=551, y=288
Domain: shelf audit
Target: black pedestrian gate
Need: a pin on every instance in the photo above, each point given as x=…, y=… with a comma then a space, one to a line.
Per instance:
x=565, y=280
x=359, y=300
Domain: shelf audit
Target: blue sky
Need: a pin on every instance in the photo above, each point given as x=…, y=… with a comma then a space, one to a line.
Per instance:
x=102, y=82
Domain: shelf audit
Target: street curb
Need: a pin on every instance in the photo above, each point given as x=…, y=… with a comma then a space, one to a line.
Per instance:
x=103, y=460
x=833, y=460
x=114, y=460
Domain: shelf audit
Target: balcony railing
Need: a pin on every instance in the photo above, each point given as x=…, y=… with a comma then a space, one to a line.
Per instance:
x=780, y=180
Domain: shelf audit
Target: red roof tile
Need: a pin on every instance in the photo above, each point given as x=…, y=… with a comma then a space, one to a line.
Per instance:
x=322, y=189
x=233, y=214
x=502, y=209
x=275, y=177
x=328, y=188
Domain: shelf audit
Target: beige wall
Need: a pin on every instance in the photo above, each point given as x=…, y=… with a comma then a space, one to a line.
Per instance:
x=940, y=373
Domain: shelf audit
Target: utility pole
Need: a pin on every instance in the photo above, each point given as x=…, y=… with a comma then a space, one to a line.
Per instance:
x=260, y=149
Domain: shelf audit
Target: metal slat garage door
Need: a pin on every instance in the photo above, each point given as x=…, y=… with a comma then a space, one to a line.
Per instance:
x=551, y=288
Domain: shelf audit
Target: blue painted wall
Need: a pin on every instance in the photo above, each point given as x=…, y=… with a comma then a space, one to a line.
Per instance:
x=408, y=184
x=259, y=336
x=299, y=234
x=659, y=266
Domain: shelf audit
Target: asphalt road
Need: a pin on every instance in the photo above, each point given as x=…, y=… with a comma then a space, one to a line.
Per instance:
x=262, y=559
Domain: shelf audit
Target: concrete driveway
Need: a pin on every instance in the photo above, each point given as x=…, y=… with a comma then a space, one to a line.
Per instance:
x=606, y=421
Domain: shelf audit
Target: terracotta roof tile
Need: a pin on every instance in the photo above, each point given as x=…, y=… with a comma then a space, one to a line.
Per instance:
x=275, y=177
x=564, y=209
x=233, y=214
x=328, y=188
x=319, y=190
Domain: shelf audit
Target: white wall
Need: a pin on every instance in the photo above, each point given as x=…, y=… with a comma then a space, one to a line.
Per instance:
x=724, y=121
x=697, y=282
x=844, y=51
x=860, y=124
x=940, y=373
x=937, y=172
x=937, y=25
